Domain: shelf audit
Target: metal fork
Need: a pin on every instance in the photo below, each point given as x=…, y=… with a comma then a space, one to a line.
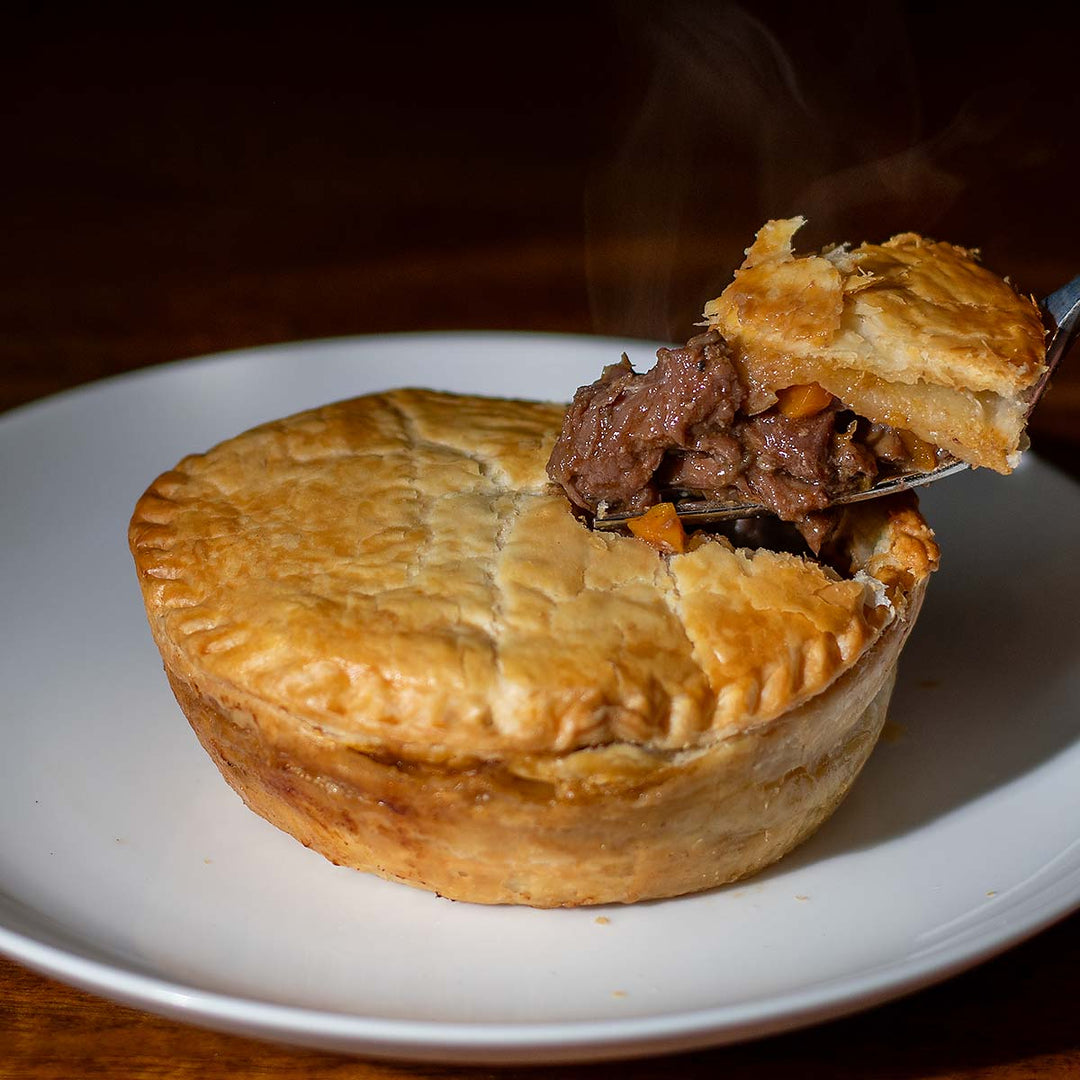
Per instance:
x=1062, y=310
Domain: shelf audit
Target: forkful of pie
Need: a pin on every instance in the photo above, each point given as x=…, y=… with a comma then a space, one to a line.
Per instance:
x=819, y=380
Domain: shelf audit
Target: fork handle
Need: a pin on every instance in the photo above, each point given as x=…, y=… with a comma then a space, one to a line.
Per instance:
x=1063, y=307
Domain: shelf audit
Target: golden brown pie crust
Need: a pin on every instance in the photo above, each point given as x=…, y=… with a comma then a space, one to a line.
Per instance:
x=911, y=333
x=399, y=645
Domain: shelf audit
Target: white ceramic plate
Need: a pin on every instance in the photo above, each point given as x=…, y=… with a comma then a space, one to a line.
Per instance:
x=129, y=868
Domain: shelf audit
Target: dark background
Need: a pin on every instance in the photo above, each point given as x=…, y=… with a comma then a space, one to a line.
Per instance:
x=179, y=180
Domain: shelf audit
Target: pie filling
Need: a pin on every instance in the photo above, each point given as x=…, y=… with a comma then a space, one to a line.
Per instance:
x=633, y=440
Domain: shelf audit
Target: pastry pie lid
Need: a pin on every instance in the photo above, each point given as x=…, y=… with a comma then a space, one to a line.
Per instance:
x=397, y=571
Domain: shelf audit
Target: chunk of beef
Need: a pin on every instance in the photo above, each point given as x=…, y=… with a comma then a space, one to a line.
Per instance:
x=618, y=429
x=631, y=440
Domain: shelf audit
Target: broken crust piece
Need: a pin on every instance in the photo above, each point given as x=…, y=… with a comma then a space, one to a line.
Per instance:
x=397, y=644
x=912, y=333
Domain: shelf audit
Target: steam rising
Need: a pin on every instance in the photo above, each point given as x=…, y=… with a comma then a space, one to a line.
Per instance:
x=741, y=121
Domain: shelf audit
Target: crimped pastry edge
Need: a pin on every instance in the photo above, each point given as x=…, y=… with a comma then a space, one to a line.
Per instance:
x=503, y=834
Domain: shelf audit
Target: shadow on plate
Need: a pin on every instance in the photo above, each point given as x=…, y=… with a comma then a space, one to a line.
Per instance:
x=990, y=680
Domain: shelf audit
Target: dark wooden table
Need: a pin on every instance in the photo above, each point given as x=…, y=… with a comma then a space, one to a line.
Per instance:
x=182, y=184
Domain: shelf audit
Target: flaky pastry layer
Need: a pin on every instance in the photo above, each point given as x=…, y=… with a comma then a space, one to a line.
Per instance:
x=911, y=333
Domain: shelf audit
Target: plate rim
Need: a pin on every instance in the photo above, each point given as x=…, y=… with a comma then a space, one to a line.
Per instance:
x=511, y=1043
x=164, y=368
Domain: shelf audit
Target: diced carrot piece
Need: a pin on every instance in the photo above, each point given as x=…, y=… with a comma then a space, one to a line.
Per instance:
x=923, y=454
x=795, y=402
x=661, y=527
